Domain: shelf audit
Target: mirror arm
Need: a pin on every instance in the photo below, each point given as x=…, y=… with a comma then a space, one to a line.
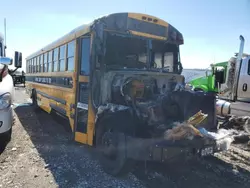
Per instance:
x=1, y=73
x=11, y=72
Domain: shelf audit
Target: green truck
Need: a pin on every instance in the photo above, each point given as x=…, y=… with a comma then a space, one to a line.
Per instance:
x=212, y=80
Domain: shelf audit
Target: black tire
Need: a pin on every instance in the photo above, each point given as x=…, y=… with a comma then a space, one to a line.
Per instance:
x=5, y=139
x=120, y=165
x=34, y=100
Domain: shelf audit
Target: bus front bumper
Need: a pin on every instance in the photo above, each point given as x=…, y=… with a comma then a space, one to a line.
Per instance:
x=164, y=150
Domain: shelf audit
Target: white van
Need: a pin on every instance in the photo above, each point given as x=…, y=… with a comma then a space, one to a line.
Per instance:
x=6, y=98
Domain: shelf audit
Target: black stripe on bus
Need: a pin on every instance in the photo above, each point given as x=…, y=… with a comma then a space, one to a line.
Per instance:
x=62, y=101
x=52, y=80
x=58, y=109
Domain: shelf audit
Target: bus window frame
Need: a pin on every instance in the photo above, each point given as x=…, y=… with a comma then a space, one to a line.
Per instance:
x=50, y=61
x=74, y=43
x=45, y=68
x=64, y=46
x=55, y=61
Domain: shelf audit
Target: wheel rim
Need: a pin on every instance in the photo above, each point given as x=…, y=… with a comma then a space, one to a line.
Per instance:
x=109, y=145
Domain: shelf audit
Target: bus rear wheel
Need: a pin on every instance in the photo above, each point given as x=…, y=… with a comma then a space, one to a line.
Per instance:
x=34, y=99
x=111, y=146
x=5, y=138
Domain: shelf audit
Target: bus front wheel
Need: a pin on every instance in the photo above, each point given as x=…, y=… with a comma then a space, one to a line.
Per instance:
x=111, y=146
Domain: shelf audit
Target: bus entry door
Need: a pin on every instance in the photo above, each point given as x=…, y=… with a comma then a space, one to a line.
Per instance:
x=82, y=95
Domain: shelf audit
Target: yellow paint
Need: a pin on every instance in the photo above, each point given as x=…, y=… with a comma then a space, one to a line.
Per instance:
x=81, y=137
x=139, y=16
x=59, y=92
x=83, y=79
x=76, y=56
x=71, y=121
x=38, y=85
x=148, y=35
x=91, y=123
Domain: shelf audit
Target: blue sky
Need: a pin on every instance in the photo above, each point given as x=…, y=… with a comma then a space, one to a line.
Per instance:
x=211, y=28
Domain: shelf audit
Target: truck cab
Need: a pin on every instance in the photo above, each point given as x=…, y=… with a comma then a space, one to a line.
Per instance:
x=6, y=94
x=243, y=90
x=212, y=80
x=236, y=86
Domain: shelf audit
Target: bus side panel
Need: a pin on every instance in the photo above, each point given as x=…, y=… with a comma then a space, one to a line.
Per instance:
x=91, y=112
x=52, y=97
x=91, y=123
x=82, y=94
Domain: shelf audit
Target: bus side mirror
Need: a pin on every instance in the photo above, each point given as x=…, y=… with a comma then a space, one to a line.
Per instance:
x=18, y=59
x=5, y=61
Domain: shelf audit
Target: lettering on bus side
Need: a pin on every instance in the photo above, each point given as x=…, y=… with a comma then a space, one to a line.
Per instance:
x=56, y=81
x=43, y=80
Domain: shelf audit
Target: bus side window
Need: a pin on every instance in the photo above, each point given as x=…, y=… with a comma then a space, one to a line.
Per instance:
x=70, y=56
x=85, y=55
x=27, y=66
x=32, y=66
x=50, y=61
x=61, y=58
x=38, y=63
x=45, y=62
x=55, y=60
x=41, y=63
x=35, y=65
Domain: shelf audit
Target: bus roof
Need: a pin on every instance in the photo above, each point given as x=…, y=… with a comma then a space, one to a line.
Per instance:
x=115, y=21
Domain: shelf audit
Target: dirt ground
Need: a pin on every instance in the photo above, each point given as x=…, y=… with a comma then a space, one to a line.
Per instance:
x=43, y=154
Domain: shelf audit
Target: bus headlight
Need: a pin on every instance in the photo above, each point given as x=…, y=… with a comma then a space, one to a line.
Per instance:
x=5, y=101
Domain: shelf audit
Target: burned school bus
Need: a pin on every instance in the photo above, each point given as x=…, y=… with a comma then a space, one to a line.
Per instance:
x=118, y=81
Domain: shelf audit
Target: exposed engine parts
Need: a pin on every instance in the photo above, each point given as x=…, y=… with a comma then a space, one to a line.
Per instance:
x=158, y=102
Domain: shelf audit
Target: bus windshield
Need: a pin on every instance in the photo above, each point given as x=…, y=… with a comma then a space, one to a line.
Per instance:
x=124, y=52
x=164, y=55
x=129, y=52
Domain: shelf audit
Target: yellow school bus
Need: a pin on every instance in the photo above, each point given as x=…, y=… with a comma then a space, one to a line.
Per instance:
x=106, y=77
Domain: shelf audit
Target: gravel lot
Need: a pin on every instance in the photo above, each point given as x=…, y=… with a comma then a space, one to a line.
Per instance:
x=42, y=154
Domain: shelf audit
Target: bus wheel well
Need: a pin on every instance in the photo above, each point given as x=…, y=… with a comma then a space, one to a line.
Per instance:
x=114, y=119
x=110, y=141
x=33, y=93
x=34, y=98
